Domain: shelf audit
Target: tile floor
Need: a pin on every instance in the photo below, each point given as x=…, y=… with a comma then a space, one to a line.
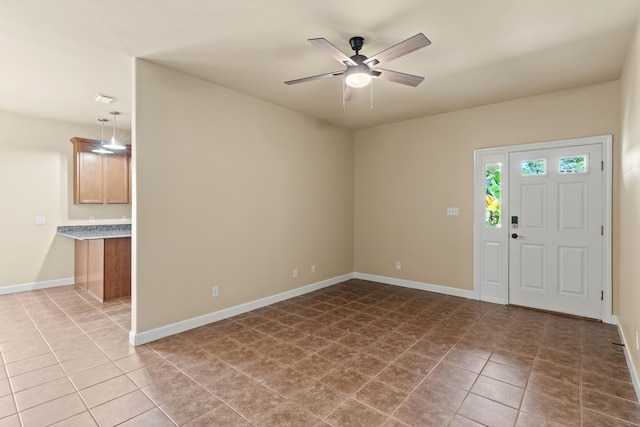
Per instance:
x=354, y=354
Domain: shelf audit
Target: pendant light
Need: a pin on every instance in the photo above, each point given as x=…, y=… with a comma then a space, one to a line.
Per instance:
x=101, y=149
x=114, y=145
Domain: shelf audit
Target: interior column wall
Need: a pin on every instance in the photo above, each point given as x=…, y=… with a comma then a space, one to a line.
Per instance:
x=233, y=192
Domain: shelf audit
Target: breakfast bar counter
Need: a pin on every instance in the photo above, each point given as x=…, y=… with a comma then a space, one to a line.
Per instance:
x=102, y=258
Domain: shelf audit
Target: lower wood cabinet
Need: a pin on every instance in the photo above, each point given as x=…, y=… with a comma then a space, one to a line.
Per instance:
x=103, y=267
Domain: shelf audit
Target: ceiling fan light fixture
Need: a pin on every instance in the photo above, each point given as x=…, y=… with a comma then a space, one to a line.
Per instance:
x=358, y=76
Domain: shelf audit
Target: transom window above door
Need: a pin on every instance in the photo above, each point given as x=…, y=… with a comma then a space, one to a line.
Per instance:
x=575, y=164
x=533, y=167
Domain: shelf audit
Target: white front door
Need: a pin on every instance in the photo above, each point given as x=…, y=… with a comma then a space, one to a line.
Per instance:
x=554, y=226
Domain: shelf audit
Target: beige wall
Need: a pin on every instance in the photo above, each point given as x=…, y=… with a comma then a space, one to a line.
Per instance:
x=231, y=191
x=629, y=208
x=408, y=173
x=36, y=166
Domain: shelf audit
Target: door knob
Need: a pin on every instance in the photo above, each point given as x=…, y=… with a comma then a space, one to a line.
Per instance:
x=515, y=236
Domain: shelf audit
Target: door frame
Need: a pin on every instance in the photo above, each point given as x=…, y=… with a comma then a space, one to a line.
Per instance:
x=495, y=288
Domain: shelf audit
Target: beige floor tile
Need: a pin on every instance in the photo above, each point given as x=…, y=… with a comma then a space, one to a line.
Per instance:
x=107, y=390
x=30, y=364
x=7, y=406
x=10, y=421
x=83, y=419
x=95, y=375
x=43, y=393
x=37, y=377
x=152, y=418
x=83, y=363
x=5, y=387
x=53, y=411
x=122, y=409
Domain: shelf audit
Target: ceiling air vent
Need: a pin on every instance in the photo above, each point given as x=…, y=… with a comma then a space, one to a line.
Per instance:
x=105, y=99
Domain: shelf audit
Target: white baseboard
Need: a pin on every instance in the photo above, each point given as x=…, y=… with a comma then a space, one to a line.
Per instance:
x=36, y=285
x=632, y=368
x=195, y=322
x=418, y=285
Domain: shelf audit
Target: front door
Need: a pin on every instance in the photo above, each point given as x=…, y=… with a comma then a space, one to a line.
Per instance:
x=555, y=229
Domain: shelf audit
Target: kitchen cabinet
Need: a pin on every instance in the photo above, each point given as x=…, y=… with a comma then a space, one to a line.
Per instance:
x=100, y=178
x=103, y=267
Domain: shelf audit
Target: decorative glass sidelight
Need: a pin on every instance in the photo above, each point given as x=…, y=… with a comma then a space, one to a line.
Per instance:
x=492, y=195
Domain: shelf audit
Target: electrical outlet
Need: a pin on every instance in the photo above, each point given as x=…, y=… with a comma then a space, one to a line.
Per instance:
x=214, y=291
x=92, y=218
x=313, y=269
x=41, y=220
x=398, y=265
x=295, y=273
x=124, y=218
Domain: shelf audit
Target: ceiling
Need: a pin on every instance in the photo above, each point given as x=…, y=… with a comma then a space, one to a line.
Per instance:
x=57, y=54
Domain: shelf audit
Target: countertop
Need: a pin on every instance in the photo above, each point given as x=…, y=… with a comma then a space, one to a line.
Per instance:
x=87, y=232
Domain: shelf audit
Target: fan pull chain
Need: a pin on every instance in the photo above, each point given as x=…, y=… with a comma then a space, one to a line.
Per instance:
x=371, y=95
x=344, y=94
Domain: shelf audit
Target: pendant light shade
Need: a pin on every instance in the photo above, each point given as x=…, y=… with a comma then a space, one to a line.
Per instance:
x=101, y=149
x=113, y=144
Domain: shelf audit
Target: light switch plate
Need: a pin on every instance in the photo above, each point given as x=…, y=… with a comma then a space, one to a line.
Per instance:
x=41, y=220
x=452, y=211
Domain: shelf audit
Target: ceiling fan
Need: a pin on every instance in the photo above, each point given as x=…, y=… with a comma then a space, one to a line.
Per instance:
x=360, y=69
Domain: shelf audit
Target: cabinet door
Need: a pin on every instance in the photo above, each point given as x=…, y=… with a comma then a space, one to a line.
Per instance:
x=89, y=186
x=80, y=266
x=117, y=267
x=116, y=178
x=95, y=268
x=100, y=178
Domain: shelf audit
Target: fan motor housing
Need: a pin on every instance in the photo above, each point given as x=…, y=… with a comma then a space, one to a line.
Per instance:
x=359, y=59
x=356, y=43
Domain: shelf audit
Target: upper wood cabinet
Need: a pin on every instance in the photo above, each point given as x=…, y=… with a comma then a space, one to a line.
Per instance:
x=100, y=178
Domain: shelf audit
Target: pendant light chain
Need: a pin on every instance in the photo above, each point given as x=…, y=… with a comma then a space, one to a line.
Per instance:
x=101, y=120
x=114, y=114
x=113, y=144
x=101, y=149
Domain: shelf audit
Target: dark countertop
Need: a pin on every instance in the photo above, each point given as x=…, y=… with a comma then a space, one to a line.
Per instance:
x=87, y=232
